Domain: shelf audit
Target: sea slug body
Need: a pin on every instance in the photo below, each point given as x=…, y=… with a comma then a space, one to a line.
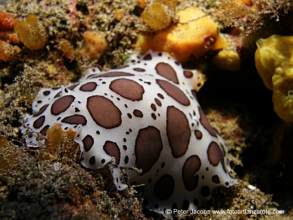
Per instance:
x=144, y=121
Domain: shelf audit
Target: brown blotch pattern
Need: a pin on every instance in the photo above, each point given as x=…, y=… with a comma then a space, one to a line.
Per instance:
x=61, y=104
x=160, y=96
x=148, y=146
x=112, y=149
x=158, y=102
x=188, y=74
x=204, y=121
x=92, y=160
x=128, y=89
x=42, y=109
x=215, y=155
x=174, y=92
x=73, y=86
x=114, y=74
x=88, y=142
x=147, y=57
x=91, y=75
x=46, y=93
x=44, y=130
x=75, y=119
x=39, y=122
x=190, y=167
x=58, y=94
x=137, y=113
x=164, y=187
x=139, y=69
x=178, y=131
x=166, y=70
x=88, y=87
x=225, y=168
x=198, y=134
x=104, y=112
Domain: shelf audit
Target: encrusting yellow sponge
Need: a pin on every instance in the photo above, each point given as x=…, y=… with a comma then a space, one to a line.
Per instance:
x=274, y=63
x=193, y=34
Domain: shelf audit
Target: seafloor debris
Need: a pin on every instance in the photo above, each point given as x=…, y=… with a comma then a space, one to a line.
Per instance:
x=120, y=119
x=31, y=32
x=194, y=34
x=274, y=63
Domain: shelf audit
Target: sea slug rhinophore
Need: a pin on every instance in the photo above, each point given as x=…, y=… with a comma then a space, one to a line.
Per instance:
x=142, y=121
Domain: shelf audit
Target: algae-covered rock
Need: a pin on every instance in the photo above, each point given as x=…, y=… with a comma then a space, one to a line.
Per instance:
x=34, y=187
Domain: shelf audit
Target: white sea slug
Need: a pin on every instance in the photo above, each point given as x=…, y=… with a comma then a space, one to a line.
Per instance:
x=142, y=121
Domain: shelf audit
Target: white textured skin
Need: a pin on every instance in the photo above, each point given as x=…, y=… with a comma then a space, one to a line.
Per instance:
x=172, y=166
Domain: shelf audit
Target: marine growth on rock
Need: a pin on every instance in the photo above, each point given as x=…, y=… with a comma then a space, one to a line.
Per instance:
x=141, y=121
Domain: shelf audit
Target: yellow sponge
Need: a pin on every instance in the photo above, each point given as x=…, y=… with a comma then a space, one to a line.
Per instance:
x=274, y=63
x=194, y=34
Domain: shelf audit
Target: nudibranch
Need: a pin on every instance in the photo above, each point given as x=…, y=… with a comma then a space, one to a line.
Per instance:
x=143, y=122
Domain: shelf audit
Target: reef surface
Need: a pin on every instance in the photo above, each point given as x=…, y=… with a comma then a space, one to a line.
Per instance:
x=48, y=183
